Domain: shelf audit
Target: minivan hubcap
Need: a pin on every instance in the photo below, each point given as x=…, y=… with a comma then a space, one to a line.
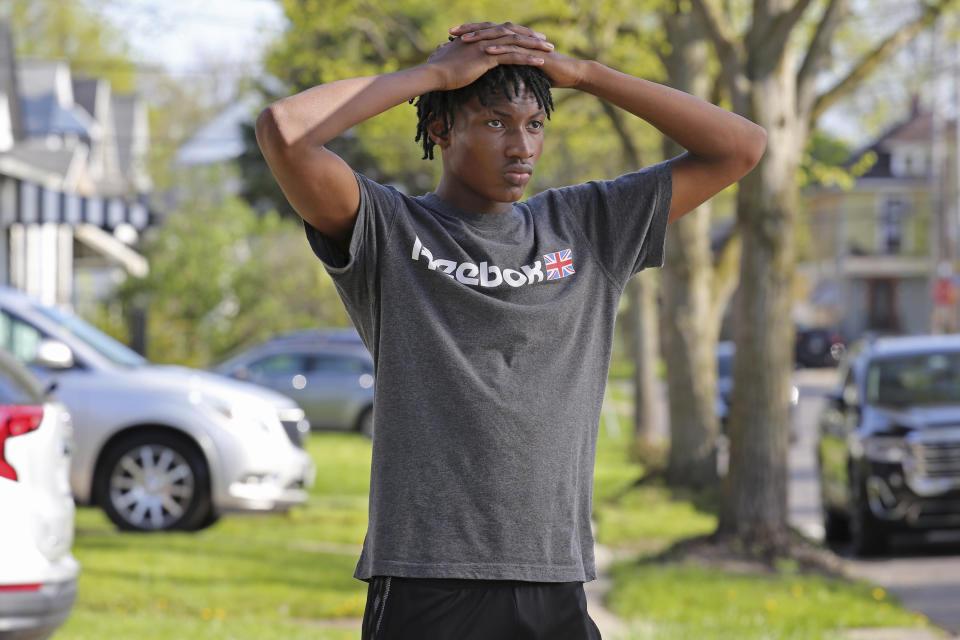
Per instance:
x=151, y=486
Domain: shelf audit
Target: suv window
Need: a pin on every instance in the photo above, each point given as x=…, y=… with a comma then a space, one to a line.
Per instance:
x=278, y=364
x=340, y=363
x=912, y=380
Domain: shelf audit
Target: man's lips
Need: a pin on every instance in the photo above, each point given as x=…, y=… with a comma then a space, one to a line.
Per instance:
x=518, y=174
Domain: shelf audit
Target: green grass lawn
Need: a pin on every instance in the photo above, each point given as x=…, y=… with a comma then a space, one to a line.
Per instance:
x=248, y=577
x=290, y=576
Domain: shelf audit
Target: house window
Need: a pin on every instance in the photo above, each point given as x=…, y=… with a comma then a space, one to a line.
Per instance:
x=893, y=210
x=908, y=163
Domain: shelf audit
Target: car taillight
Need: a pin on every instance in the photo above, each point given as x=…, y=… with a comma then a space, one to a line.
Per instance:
x=16, y=420
x=20, y=587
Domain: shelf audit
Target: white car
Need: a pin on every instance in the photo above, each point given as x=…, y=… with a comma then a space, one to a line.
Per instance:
x=38, y=573
x=160, y=447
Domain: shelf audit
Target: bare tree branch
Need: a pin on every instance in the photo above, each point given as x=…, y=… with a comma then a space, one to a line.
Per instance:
x=869, y=63
x=410, y=31
x=768, y=38
x=368, y=28
x=631, y=154
x=730, y=49
x=817, y=52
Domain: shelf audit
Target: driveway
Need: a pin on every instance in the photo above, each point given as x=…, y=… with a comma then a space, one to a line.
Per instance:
x=922, y=572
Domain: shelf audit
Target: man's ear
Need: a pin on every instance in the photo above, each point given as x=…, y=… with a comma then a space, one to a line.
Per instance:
x=439, y=138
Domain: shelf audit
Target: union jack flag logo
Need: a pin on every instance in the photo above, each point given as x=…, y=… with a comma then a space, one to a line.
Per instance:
x=559, y=264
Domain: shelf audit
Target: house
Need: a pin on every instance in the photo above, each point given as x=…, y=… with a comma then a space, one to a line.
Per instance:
x=878, y=249
x=73, y=184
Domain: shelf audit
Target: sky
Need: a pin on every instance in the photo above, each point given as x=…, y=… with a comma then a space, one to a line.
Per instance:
x=186, y=35
x=190, y=37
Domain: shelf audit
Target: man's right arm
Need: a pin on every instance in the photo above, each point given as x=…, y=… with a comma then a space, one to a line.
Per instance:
x=292, y=132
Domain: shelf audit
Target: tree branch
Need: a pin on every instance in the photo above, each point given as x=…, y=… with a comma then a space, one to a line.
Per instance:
x=869, y=63
x=817, y=52
x=368, y=28
x=631, y=154
x=729, y=48
x=769, y=38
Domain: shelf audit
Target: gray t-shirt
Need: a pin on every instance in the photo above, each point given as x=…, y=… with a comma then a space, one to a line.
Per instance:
x=491, y=335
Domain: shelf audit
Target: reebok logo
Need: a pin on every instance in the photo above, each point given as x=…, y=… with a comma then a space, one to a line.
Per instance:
x=483, y=274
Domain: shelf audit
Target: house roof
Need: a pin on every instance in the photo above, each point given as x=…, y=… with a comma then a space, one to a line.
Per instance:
x=124, y=126
x=221, y=139
x=33, y=160
x=85, y=94
x=916, y=129
x=41, y=77
x=43, y=115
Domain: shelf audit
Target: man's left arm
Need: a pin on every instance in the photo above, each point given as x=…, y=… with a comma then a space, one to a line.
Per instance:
x=722, y=147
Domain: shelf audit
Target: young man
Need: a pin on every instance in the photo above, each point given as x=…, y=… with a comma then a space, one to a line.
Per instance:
x=490, y=320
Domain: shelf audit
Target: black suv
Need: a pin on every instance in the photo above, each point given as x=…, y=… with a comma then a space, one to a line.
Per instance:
x=889, y=441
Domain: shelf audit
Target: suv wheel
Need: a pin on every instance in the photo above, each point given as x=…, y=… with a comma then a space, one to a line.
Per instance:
x=836, y=526
x=868, y=533
x=155, y=481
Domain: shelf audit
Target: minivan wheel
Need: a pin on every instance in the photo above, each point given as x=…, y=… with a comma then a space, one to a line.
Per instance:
x=365, y=423
x=154, y=481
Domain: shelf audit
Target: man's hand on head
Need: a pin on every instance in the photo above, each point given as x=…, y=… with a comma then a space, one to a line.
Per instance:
x=462, y=60
x=507, y=41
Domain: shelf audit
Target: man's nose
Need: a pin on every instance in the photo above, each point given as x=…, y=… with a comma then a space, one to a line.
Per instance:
x=522, y=145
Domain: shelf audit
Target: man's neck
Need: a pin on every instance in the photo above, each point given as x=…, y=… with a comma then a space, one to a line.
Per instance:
x=456, y=193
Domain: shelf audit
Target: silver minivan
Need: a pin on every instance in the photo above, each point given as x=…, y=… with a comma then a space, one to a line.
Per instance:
x=159, y=447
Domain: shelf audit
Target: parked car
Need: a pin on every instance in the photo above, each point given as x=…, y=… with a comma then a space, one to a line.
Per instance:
x=38, y=573
x=329, y=373
x=159, y=447
x=725, y=352
x=818, y=347
x=889, y=441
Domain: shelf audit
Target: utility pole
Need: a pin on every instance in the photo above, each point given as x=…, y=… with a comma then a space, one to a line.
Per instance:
x=943, y=246
x=956, y=150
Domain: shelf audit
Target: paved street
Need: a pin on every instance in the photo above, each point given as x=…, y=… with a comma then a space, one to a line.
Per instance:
x=923, y=573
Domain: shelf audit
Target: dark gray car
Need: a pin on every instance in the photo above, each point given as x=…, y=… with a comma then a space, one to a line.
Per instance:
x=328, y=373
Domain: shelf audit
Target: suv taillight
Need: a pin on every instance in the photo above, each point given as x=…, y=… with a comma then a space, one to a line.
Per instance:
x=16, y=420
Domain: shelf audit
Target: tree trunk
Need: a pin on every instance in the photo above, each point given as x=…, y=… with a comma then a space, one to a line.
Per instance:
x=690, y=323
x=754, y=505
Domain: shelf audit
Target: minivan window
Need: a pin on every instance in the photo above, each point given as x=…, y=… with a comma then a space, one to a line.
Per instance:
x=94, y=338
x=15, y=385
x=915, y=380
x=19, y=338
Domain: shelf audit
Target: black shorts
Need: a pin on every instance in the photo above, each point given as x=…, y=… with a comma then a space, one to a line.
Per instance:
x=444, y=609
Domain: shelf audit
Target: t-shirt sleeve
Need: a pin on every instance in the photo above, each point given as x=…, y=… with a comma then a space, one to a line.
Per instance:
x=355, y=273
x=378, y=205
x=624, y=220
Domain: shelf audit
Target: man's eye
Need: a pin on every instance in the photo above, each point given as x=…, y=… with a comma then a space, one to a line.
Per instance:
x=536, y=124
x=495, y=123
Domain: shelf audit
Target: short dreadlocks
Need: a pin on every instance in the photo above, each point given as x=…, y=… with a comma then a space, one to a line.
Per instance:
x=506, y=78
